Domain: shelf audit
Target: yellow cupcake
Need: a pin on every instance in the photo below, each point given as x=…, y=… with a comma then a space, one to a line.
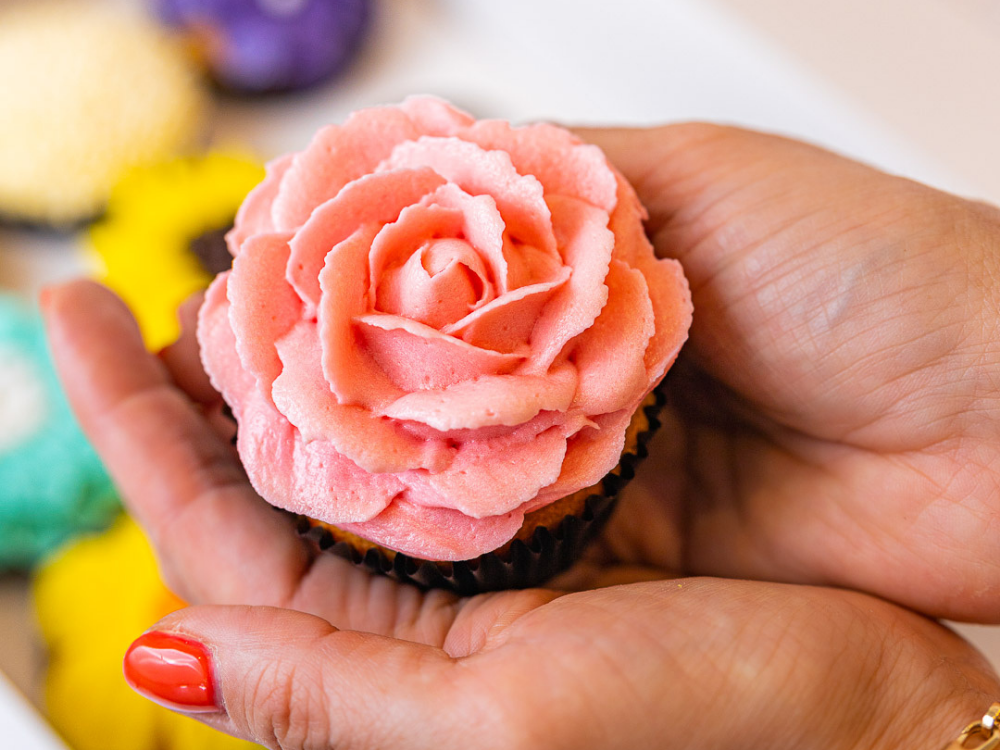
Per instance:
x=92, y=600
x=154, y=215
x=85, y=94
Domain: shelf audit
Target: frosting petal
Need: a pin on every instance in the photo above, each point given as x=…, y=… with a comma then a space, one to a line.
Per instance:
x=281, y=465
x=590, y=455
x=308, y=477
x=492, y=477
x=520, y=198
x=508, y=400
x=506, y=323
x=439, y=284
x=397, y=241
x=337, y=156
x=610, y=358
x=217, y=345
x=370, y=200
x=482, y=226
x=527, y=265
x=585, y=243
x=352, y=375
x=254, y=215
x=263, y=307
x=561, y=161
x=417, y=357
x=669, y=292
x=435, y=116
x=303, y=396
x=437, y=533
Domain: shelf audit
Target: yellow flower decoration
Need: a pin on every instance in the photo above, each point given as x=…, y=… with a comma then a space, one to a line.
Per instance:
x=153, y=216
x=92, y=600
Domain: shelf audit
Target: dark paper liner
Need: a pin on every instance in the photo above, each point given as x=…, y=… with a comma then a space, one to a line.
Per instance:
x=45, y=227
x=211, y=250
x=520, y=564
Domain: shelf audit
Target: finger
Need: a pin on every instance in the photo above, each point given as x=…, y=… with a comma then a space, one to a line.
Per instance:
x=217, y=541
x=286, y=679
x=183, y=359
x=842, y=342
x=690, y=173
x=826, y=292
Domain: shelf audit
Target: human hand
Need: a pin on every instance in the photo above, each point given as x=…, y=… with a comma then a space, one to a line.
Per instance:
x=835, y=415
x=340, y=658
x=511, y=666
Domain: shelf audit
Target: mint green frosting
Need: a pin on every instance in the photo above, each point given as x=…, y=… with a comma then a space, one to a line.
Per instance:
x=52, y=484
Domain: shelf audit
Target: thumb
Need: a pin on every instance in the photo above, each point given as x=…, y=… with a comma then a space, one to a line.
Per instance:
x=287, y=679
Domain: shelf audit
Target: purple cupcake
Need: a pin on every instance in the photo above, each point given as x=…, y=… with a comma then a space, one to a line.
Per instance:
x=264, y=46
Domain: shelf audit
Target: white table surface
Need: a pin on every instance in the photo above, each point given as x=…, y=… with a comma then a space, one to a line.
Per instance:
x=20, y=726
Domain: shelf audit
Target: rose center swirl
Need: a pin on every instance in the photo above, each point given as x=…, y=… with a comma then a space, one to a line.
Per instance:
x=440, y=283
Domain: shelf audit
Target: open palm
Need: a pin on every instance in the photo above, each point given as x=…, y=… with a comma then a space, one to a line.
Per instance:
x=836, y=413
x=831, y=421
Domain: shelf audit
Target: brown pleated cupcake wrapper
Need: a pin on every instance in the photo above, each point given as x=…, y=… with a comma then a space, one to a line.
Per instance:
x=520, y=563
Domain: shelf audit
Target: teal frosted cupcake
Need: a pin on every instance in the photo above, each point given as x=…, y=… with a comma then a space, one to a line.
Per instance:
x=52, y=484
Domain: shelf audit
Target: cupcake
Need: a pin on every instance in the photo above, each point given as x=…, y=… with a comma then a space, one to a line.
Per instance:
x=161, y=238
x=439, y=339
x=52, y=484
x=266, y=46
x=86, y=93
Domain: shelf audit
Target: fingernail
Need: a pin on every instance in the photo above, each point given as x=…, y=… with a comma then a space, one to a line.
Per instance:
x=172, y=671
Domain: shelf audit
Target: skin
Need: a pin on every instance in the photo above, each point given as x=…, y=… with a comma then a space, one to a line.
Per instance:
x=825, y=482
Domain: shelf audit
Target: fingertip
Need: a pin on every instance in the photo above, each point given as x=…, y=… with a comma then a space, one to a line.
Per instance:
x=172, y=670
x=52, y=297
x=183, y=357
x=79, y=303
x=83, y=307
x=97, y=349
x=292, y=679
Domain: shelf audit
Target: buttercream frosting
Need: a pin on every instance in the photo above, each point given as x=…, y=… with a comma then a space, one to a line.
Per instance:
x=85, y=94
x=434, y=325
x=52, y=484
x=259, y=46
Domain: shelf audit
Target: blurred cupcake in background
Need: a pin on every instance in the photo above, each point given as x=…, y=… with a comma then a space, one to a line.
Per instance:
x=266, y=46
x=91, y=600
x=52, y=484
x=86, y=93
x=162, y=238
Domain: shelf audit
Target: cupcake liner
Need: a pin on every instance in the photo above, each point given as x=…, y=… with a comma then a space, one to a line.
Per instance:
x=521, y=563
x=211, y=250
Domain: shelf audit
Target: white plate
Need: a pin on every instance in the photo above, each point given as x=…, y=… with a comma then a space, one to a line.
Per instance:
x=20, y=726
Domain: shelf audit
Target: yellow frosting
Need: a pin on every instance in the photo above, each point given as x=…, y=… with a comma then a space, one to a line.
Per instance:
x=86, y=93
x=92, y=600
x=153, y=215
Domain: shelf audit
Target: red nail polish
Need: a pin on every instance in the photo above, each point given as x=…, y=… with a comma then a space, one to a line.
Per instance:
x=171, y=670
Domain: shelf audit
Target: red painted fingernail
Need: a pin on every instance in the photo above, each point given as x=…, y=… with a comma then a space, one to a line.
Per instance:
x=171, y=670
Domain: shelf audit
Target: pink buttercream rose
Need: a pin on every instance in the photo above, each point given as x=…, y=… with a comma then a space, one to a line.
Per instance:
x=434, y=325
